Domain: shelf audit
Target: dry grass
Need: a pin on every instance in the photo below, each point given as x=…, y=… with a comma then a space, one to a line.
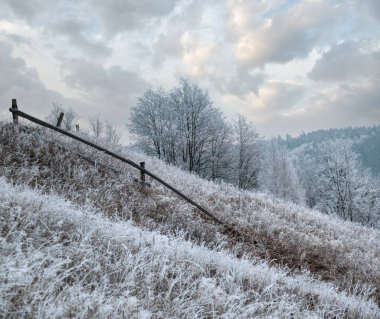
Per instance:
x=345, y=254
x=60, y=261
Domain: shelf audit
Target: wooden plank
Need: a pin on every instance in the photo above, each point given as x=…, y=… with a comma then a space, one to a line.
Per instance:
x=14, y=107
x=60, y=119
x=142, y=174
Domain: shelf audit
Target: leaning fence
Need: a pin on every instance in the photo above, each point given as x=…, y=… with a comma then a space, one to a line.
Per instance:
x=17, y=113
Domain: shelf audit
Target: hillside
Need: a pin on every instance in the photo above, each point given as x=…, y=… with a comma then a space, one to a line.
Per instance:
x=366, y=143
x=88, y=241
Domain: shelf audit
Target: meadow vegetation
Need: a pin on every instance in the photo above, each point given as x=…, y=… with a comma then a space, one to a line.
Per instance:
x=83, y=240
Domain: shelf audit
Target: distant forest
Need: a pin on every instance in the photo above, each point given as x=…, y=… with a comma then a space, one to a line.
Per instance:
x=366, y=143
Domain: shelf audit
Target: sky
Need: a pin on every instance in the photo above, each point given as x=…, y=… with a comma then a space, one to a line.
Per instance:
x=289, y=66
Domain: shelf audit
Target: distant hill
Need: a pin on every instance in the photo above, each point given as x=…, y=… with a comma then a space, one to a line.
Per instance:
x=366, y=143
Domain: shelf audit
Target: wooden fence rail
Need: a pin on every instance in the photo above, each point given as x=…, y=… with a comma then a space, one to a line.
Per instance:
x=17, y=113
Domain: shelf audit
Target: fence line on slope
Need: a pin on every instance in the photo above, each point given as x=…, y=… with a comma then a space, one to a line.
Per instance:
x=90, y=160
x=17, y=113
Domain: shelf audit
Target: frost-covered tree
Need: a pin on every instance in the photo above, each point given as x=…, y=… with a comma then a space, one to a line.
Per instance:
x=104, y=131
x=111, y=134
x=150, y=122
x=181, y=127
x=308, y=174
x=279, y=175
x=97, y=126
x=247, y=154
x=345, y=188
x=194, y=114
x=218, y=158
x=70, y=118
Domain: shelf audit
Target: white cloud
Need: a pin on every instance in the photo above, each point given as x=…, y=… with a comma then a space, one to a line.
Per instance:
x=287, y=65
x=196, y=54
x=284, y=37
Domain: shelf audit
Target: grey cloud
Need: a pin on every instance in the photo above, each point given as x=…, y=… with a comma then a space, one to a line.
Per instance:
x=87, y=75
x=23, y=83
x=18, y=39
x=244, y=82
x=238, y=82
x=74, y=30
x=362, y=110
x=348, y=106
x=26, y=9
x=121, y=15
x=345, y=61
x=112, y=89
x=280, y=96
x=166, y=46
x=360, y=102
x=374, y=8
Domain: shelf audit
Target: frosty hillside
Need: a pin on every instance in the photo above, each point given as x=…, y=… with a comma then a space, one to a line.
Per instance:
x=84, y=241
x=61, y=261
x=190, y=159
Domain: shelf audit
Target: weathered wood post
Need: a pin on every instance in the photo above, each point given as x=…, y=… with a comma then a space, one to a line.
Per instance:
x=59, y=122
x=142, y=173
x=15, y=116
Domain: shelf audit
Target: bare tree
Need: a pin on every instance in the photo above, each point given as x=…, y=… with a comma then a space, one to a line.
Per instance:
x=97, y=126
x=111, y=134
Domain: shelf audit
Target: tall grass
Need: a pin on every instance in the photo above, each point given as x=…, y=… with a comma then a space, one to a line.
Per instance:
x=343, y=254
x=59, y=260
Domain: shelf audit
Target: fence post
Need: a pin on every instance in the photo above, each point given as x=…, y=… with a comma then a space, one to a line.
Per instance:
x=142, y=173
x=59, y=122
x=15, y=116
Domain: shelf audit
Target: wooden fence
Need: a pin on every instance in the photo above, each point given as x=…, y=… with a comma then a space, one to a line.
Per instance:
x=143, y=171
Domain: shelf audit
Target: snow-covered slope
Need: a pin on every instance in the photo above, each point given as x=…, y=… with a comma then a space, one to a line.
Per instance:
x=59, y=260
x=319, y=264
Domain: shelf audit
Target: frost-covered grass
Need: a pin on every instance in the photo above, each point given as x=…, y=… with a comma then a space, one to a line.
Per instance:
x=340, y=251
x=344, y=254
x=59, y=260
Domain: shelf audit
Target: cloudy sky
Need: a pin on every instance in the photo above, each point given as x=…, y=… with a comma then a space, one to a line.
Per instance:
x=287, y=65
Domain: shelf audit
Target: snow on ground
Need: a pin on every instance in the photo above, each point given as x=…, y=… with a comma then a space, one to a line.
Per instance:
x=60, y=260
